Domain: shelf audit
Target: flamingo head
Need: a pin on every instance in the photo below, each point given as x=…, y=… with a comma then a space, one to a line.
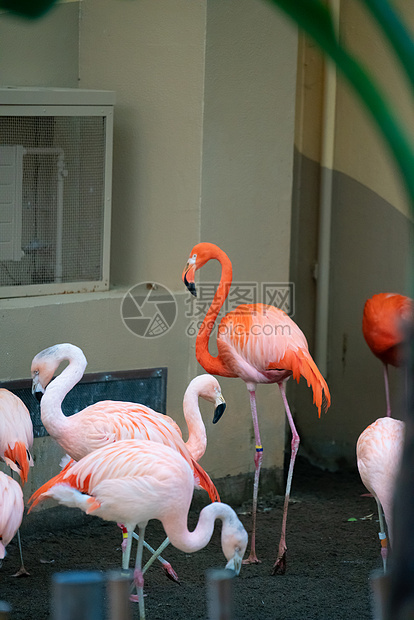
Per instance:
x=234, y=542
x=199, y=255
x=208, y=388
x=43, y=367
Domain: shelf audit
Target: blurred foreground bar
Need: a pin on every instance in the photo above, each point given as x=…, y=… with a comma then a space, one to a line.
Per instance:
x=5, y=611
x=118, y=589
x=220, y=594
x=78, y=595
x=399, y=604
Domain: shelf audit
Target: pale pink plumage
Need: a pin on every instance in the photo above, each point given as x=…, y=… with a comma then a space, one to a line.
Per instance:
x=16, y=434
x=108, y=421
x=379, y=450
x=134, y=481
x=11, y=510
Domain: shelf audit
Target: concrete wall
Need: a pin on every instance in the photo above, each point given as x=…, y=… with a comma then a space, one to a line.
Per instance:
x=371, y=236
x=184, y=73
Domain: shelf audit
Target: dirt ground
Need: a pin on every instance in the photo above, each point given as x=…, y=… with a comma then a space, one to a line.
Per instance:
x=330, y=559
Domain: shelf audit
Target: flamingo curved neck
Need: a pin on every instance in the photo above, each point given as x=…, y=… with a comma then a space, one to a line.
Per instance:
x=214, y=365
x=197, y=438
x=180, y=536
x=53, y=418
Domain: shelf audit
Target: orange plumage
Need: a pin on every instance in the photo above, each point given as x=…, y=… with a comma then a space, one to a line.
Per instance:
x=260, y=344
x=382, y=326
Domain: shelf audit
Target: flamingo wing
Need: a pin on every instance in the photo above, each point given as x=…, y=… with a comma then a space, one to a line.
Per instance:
x=121, y=461
x=263, y=344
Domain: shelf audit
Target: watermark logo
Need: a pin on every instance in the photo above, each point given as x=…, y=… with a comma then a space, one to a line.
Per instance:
x=278, y=294
x=148, y=310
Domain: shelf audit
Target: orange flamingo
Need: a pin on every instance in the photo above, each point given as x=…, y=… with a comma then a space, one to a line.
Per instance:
x=259, y=344
x=16, y=440
x=108, y=421
x=11, y=511
x=382, y=326
x=133, y=481
x=379, y=450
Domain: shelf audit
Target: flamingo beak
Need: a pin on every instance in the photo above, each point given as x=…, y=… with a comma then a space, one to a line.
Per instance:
x=37, y=388
x=220, y=407
x=189, y=277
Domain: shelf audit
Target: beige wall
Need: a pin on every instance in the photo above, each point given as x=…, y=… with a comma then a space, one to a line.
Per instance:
x=203, y=139
x=371, y=236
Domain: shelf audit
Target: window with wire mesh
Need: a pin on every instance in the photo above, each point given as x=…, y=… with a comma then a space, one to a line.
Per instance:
x=52, y=179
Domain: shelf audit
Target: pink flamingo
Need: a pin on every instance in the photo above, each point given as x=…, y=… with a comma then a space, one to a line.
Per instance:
x=108, y=421
x=382, y=325
x=16, y=440
x=259, y=344
x=11, y=511
x=134, y=481
x=16, y=434
x=379, y=449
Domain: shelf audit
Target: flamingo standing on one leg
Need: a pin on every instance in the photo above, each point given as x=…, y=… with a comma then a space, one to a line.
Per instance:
x=379, y=449
x=16, y=440
x=382, y=326
x=108, y=421
x=11, y=511
x=133, y=481
x=259, y=344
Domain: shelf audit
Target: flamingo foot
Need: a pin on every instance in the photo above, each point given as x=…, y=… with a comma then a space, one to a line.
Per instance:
x=279, y=567
x=22, y=572
x=170, y=573
x=252, y=559
x=134, y=598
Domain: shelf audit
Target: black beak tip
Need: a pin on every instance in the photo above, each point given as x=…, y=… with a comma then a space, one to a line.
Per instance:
x=220, y=409
x=38, y=395
x=191, y=286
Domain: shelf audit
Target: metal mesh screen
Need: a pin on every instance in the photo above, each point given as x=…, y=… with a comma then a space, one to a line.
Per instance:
x=60, y=207
x=147, y=387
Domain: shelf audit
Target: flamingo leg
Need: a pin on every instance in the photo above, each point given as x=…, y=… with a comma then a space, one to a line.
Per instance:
x=166, y=566
x=258, y=458
x=22, y=572
x=126, y=548
x=279, y=566
x=382, y=536
x=138, y=576
x=387, y=390
x=156, y=555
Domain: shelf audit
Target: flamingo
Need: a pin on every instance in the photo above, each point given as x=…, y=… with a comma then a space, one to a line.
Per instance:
x=16, y=440
x=11, y=511
x=379, y=449
x=260, y=344
x=382, y=326
x=108, y=421
x=133, y=481
x=16, y=434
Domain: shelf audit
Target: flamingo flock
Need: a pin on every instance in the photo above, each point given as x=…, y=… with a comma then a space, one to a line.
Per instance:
x=128, y=463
